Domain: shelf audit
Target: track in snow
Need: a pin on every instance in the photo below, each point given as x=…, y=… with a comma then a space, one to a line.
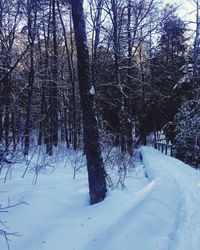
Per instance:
x=187, y=221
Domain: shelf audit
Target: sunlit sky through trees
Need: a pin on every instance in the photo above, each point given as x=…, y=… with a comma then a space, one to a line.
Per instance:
x=186, y=9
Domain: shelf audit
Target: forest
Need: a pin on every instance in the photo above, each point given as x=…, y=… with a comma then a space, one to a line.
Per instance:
x=96, y=80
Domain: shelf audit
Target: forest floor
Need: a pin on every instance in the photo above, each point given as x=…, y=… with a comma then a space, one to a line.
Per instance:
x=154, y=213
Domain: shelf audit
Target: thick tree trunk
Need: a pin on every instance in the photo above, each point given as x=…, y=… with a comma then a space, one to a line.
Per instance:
x=96, y=172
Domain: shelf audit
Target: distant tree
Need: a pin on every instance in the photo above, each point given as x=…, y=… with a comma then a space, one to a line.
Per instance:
x=196, y=54
x=166, y=65
x=187, y=140
x=10, y=21
x=121, y=93
x=31, y=25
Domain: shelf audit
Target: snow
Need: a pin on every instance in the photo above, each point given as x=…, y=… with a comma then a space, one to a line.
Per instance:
x=91, y=91
x=161, y=212
x=180, y=183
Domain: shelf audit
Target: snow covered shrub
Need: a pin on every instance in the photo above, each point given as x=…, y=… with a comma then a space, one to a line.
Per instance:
x=187, y=140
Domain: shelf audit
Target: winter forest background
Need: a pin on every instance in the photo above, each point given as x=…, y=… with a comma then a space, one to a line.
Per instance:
x=138, y=74
x=144, y=66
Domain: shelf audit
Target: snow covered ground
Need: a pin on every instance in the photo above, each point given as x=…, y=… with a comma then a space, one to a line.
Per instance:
x=161, y=212
x=181, y=184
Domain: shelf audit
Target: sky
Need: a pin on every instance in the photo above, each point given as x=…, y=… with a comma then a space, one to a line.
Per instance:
x=186, y=11
x=186, y=8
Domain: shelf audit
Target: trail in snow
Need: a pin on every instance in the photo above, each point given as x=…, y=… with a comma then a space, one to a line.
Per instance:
x=187, y=235
x=187, y=231
x=150, y=224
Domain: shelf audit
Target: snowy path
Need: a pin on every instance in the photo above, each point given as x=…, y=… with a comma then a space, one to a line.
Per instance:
x=167, y=215
x=159, y=214
x=187, y=231
x=150, y=224
x=187, y=236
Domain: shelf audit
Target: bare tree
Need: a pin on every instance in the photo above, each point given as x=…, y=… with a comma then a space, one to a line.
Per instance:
x=71, y=76
x=96, y=172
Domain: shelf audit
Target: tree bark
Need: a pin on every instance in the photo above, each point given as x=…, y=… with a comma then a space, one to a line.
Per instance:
x=96, y=172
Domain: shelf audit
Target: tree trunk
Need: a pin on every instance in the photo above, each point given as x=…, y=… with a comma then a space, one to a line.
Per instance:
x=129, y=126
x=1, y=126
x=96, y=172
x=54, y=90
x=72, y=79
x=120, y=98
x=96, y=36
x=196, y=54
x=32, y=17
